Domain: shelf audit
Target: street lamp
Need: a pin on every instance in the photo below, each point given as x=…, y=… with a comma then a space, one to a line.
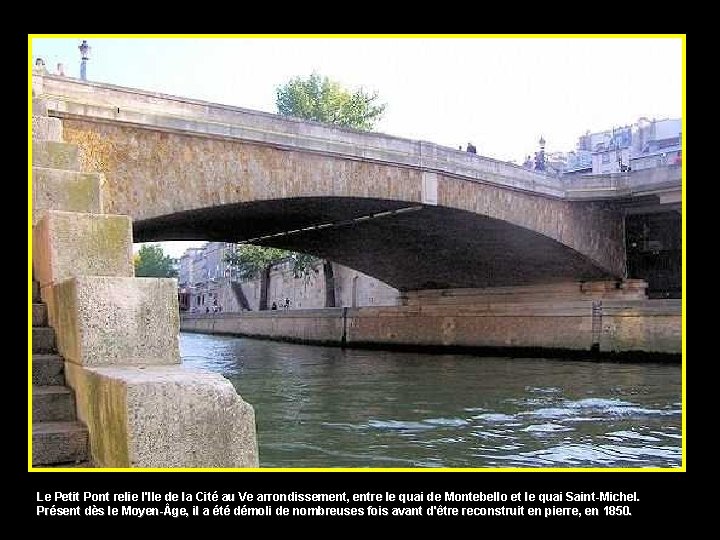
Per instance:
x=84, y=56
x=540, y=156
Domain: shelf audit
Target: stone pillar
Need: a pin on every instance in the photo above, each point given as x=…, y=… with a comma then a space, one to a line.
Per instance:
x=119, y=337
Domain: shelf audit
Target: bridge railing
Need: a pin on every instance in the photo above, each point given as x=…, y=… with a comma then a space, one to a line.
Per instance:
x=622, y=184
x=74, y=98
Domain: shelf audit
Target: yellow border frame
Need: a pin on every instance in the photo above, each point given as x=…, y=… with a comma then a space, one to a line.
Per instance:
x=682, y=468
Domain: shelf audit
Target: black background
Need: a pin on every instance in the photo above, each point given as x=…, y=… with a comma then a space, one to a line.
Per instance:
x=668, y=500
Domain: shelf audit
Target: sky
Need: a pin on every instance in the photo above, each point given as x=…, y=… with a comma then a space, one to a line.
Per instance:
x=501, y=94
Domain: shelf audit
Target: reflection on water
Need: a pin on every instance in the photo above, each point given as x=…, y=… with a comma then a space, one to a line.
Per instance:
x=327, y=407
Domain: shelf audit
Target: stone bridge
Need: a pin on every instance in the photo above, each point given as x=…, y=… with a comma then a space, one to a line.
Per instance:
x=506, y=247
x=411, y=213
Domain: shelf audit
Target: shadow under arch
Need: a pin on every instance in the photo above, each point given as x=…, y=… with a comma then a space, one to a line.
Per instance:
x=407, y=246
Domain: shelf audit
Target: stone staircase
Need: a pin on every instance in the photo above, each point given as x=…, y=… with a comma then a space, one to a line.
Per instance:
x=59, y=439
x=117, y=333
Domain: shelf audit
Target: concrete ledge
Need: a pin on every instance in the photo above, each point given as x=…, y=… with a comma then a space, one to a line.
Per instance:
x=163, y=417
x=47, y=370
x=545, y=293
x=570, y=326
x=59, y=442
x=69, y=191
x=104, y=321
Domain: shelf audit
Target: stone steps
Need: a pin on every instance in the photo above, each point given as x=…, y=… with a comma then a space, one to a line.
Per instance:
x=43, y=339
x=52, y=404
x=59, y=442
x=55, y=155
x=76, y=465
x=39, y=315
x=58, y=438
x=48, y=370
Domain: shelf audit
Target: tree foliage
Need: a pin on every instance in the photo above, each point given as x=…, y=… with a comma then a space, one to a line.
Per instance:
x=320, y=99
x=250, y=261
x=151, y=261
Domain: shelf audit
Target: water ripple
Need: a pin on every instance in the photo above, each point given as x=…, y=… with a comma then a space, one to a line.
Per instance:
x=328, y=407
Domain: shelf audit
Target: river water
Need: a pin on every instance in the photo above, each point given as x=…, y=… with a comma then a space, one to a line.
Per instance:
x=328, y=407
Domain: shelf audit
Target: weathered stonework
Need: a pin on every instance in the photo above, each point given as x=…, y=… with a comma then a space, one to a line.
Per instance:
x=68, y=244
x=192, y=170
x=56, y=155
x=163, y=417
x=652, y=326
x=144, y=169
x=633, y=328
x=68, y=191
x=103, y=321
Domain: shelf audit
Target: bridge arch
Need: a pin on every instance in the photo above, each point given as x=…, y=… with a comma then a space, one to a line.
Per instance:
x=408, y=247
x=184, y=169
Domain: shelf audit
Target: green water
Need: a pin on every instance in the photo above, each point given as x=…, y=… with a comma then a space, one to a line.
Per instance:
x=327, y=407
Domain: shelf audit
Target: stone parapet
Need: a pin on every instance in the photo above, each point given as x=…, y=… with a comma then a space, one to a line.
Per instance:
x=104, y=102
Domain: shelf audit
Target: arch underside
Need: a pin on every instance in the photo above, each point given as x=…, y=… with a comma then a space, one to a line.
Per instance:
x=427, y=247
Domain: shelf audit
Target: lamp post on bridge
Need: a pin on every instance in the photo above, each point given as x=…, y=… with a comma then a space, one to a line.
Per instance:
x=84, y=57
x=540, y=156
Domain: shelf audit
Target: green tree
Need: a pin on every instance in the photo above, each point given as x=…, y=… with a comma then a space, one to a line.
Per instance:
x=251, y=261
x=151, y=261
x=320, y=99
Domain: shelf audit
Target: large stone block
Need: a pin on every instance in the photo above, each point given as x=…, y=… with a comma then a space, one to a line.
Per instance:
x=164, y=417
x=69, y=191
x=56, y=155
x=103, y=321
x=68, y=244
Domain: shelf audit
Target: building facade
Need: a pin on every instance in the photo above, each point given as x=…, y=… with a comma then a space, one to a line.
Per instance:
x=642, y=145
x=208, y=283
